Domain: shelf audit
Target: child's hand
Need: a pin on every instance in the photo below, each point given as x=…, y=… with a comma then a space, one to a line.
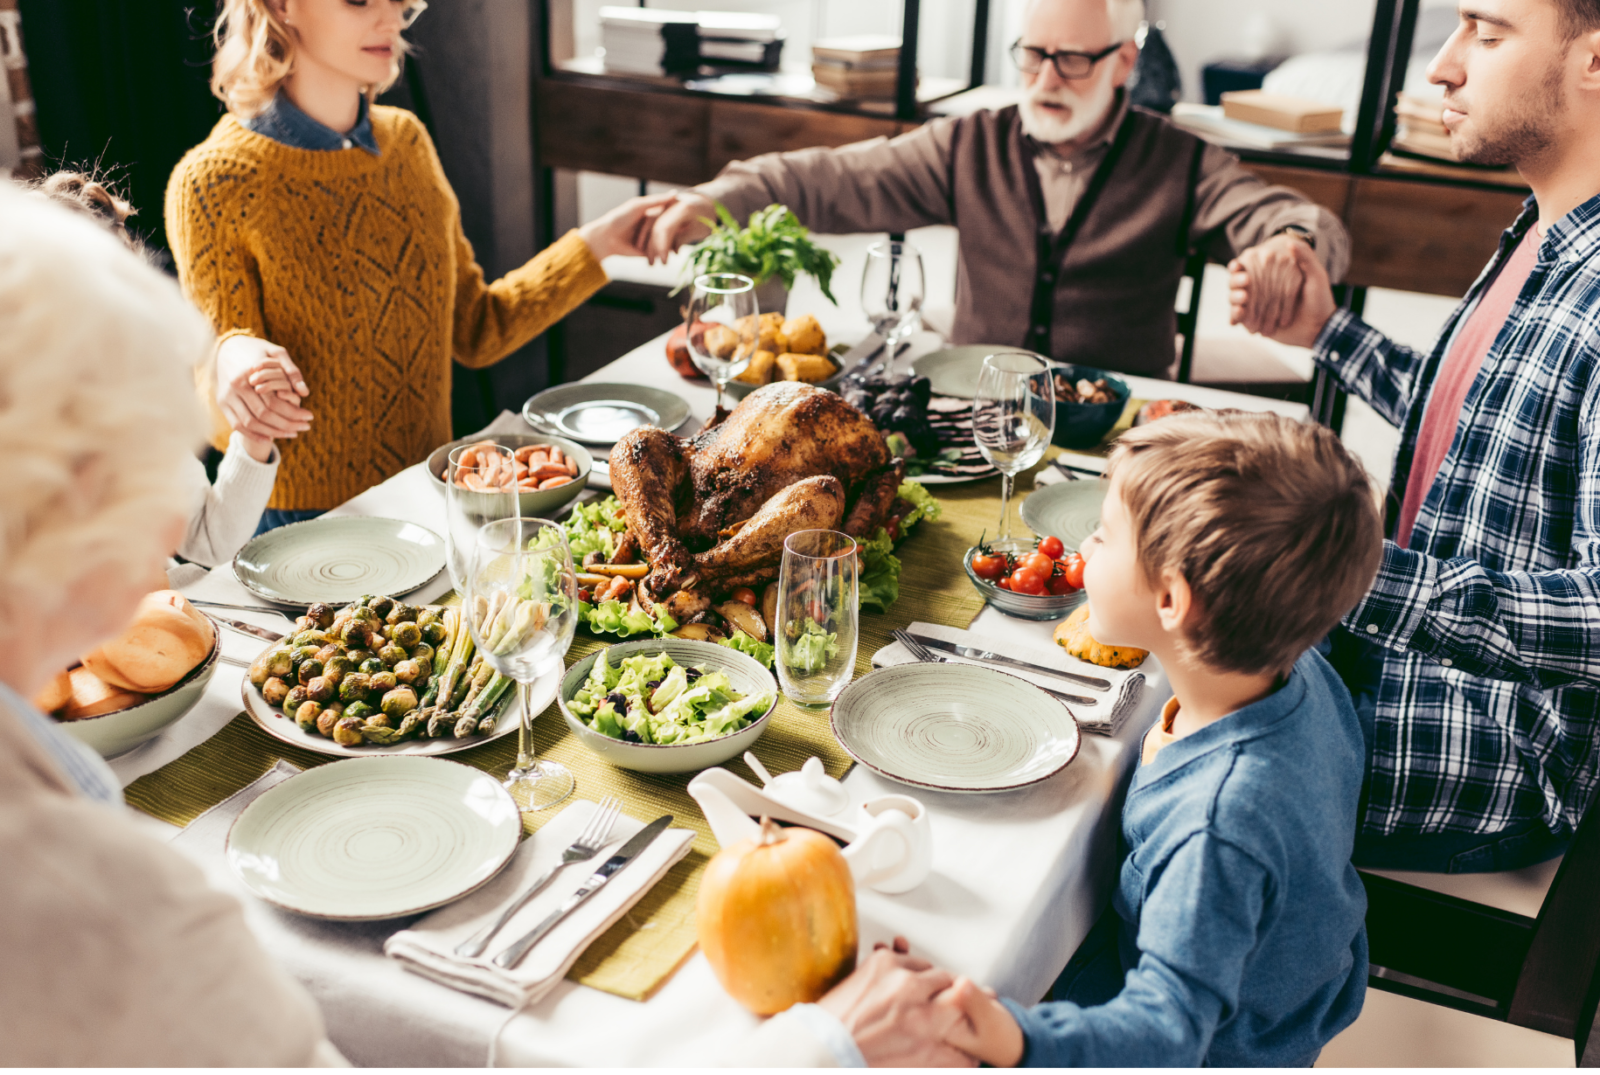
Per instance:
x=259, y=388
x=988, y=1031
x=626, y=229
x=887, y=1006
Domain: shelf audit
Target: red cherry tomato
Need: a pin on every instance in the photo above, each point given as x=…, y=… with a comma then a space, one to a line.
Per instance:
x=1060, y=587
x=1028, y=582
x=1052, y=547
x=1072, y=569
x=1038, y=563
x=1003, y=583
x=745, y=594
x=988, y=566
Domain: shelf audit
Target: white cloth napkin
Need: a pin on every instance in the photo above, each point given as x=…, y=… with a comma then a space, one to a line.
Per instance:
x=1085, y=466
x=428, y=947
x=1104, y=717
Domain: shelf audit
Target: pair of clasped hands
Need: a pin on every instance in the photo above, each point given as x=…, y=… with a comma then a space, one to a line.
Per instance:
x=904, y=1012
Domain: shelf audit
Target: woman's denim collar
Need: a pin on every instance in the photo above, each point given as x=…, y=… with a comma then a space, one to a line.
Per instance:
x=283, y=121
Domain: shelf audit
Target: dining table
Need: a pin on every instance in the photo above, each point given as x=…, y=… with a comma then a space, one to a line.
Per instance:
x=1018, y=877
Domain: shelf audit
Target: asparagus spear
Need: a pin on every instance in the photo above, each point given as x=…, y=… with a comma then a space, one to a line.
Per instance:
x=484, y=706
x=480, y=678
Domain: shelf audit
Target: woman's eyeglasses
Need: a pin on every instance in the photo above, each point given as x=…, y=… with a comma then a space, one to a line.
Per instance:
x=1068, y=64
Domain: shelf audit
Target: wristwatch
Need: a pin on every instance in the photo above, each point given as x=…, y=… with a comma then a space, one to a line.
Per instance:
x=1299, y=231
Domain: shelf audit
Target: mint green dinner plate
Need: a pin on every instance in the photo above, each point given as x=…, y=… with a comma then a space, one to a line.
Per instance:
x=594, y=412
x=954, y=371
x=374, y=838
x=338, y=559
x=1067, y=510
x=954, y=727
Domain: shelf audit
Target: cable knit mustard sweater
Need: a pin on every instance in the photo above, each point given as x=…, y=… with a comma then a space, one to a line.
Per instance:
x=358, y=267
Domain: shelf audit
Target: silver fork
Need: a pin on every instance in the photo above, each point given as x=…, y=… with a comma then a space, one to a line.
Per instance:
x=585, y=847
x=923, y=653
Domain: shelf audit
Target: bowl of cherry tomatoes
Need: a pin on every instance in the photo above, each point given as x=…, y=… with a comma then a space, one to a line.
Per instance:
x=1037, y=580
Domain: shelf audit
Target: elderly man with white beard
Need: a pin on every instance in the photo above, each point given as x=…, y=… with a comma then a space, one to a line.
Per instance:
x=1075, y=212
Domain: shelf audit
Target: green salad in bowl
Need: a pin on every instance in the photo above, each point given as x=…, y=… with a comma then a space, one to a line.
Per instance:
x=668, y=705
x=653, y=699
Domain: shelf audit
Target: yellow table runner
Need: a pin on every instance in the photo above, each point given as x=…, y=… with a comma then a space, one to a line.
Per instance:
x=642, y=950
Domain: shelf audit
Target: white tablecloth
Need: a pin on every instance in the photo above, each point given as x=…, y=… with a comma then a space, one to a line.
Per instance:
x=1018, y=878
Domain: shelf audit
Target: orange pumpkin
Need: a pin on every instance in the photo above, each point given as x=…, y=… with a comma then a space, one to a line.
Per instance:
x=777, y=918
x=167, y=640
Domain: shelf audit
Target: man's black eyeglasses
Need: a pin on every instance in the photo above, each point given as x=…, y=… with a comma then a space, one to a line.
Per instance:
x=1068, y=64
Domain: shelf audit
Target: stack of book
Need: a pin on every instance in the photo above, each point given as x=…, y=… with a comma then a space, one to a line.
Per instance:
x=1419, y=130
x=649, y=41
x=1211, y=123
x=740, y=40
x=861, y=67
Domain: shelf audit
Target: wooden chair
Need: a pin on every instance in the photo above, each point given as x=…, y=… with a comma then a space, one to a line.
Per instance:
x=1542, y=973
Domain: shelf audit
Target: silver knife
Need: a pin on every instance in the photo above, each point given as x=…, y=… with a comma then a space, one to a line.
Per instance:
x=248, y=628
x=629, y=851
x=973, y=653
x=861, y=354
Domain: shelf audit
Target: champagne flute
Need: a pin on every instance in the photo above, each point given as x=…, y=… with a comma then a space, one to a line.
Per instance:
x=891, y=294
x=818, y=616
x=723, y=326
x=521, y=606
x=1013, y=418
x=470, y=502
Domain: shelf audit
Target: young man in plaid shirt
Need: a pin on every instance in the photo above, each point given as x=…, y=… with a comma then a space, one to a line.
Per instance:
x=1476, y=654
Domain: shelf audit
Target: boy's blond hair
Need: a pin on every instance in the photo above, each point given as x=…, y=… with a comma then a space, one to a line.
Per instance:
x=1271, y=522
x=255, y=53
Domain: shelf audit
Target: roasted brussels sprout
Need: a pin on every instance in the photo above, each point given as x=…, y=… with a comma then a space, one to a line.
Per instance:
x=258, y=668
x=358, y=655
x=381, y=606
x=392, y=655
x=381, y=683
x=320, y=614
x=408, y=671
x=354, y=688
x=280, y=662
x=371, y=665
x=329, y=652
x=274, y=690
x=347, y=733
x=308, y=714
x=336, y=669
x=309, y=669
x=304, y=623
x=320, y=689
x=359, y=710
x=434, y=634
x=426, y=616
x=406, y=635
x=292, y=702
x=423, y=654
x=401, y=613
x=399, y=702
x=357, y=633
x=315, y=638
x=304, y=653
x=378, y=720
x=330, y=715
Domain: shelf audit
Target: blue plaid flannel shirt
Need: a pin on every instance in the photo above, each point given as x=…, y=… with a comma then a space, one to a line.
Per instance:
x=1489, y=700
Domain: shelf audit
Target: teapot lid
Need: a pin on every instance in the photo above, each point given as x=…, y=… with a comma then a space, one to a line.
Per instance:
x=811, y=790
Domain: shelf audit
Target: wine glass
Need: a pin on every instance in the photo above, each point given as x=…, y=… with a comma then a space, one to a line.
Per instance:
x=723, y=326
x=521, y=606
x=891, y=294
x=1013, y=418
x=470, y=502
x=818, y=615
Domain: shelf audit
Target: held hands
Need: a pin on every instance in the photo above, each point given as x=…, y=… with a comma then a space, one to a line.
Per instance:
x=626, y=229
x=889, y=1007
x=1279, y=289
x=684, y=221
x=259, y=389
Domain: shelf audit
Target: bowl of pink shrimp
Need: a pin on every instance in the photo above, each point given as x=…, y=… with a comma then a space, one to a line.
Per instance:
x=547, y=473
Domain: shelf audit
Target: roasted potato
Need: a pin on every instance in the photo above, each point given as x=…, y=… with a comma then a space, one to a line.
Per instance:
x=805, y=336
x=740, y=615
x=699, y=632
x=721, y=341
x=809, y=368
x=759, y=372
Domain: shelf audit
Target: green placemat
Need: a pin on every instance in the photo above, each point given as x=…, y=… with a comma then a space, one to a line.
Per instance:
x=642, y=950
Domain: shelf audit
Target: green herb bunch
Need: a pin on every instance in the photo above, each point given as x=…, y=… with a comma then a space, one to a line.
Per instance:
x=774, y=244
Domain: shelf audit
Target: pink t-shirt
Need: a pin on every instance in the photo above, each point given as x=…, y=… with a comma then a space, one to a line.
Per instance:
x=1456, y=374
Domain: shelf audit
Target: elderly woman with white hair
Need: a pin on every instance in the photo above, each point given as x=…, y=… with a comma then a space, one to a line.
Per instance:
x=115, y=950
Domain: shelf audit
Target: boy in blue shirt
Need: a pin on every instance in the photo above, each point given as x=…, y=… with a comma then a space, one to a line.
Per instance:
x=1229, y=544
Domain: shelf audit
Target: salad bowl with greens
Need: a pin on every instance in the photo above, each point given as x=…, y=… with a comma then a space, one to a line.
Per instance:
x=668, y=705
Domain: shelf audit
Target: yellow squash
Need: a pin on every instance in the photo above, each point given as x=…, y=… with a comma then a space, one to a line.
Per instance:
x=1072, y=635
x=777, y=918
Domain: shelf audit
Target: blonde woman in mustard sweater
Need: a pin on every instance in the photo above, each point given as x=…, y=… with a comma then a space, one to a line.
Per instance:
x=318, y=229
